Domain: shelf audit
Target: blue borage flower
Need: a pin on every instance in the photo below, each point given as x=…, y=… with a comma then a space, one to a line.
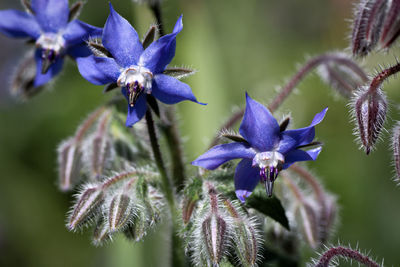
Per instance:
x=137, y=70
x=265, y=151
x=55, y=36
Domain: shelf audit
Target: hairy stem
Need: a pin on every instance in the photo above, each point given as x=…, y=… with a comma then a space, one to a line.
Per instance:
x=382, y=76
x=166, y=184
x=293, y=82
x=346, y=253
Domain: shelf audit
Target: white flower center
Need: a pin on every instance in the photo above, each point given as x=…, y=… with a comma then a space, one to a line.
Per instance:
x=270, y=159
x=137, y=80
x=52, y=44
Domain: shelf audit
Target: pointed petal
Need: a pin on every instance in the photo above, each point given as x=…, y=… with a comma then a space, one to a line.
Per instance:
x=137, y=112
x=170, y=90
x=223, y=153
x=121, y=39
x=246, y=179
x=18, y=24
x=159, y=54
x=301, y=155
x=54, y=69
x=298, y=137
x=52, y=15
x=98, y=70
x=259, y=127
x=79, y=32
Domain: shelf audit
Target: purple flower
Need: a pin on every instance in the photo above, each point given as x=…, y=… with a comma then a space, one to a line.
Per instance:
x=265, y=151
x=47, y=23
x=137, y=70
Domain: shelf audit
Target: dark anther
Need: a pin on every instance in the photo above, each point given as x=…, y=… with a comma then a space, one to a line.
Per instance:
x=135, y=92
x=284, y=124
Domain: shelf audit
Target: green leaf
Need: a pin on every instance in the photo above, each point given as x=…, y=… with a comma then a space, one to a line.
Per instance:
x=269, y=206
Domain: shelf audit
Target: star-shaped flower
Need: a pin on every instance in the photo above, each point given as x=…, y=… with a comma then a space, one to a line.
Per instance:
x=48, y=23
x=265, y=150
x=137, y=70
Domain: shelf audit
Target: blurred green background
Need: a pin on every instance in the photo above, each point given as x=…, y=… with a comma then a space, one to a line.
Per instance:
x=237, y=46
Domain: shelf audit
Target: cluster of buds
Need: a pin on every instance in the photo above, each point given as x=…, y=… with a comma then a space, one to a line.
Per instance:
x=100, y=144
x=376, y=23
x=221, y=229
x=125, y=202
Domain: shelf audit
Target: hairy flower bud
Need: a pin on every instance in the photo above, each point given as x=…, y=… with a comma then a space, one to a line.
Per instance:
x=97, y=148
x=344, y=75
x=120, y=212
x=309, y=224
x=87, y=202
x=391, y=26
x=101, y=232
x=370, y=16
x=370, y=114
x=214, y=236
x=69, y=163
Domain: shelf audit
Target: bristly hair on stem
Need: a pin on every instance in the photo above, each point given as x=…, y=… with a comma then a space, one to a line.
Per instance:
x=346, y=253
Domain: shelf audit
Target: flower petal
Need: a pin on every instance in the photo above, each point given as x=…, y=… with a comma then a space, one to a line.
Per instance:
x=223, y=153
x=137, y=112
x=52, y=15
x=170, y=90
x=121, y=39
x=301, y=155
x=246, y=179
x=259, y=127
x=298, y=137
x=78, y=32
x=79, y=50
x=98, y=70
x=160, y=53
x=54, y=69
x=18, y=24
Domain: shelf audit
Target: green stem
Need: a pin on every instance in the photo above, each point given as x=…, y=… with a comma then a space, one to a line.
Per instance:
x=178, y=258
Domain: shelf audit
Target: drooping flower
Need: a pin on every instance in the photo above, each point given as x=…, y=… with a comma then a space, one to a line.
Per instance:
x=265, y=149
x=138, y=71
x=50, y=24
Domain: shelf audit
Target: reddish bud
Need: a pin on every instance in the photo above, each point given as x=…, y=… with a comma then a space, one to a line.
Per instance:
x=391, y=26
x=370, y=114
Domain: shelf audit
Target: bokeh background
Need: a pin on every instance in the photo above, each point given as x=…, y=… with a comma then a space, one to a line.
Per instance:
x=237, y=46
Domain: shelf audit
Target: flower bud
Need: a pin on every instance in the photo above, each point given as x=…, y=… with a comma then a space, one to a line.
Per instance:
x=101, y=233
x=343, y=75
x=87, y=202
x=120, y=212
x=137, y=230
x=396, y=149
x=391, y=26
x=370, y=16
x=97, y=148
x=69, y=164
x=370, y=114
x=214, y=237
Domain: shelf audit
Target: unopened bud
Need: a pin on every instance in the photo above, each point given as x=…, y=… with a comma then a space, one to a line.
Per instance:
x=214, y=236
x=370, y=113
x=370, y=17
x=101, y=233
x=120, y=212
x=344, y=75
x=87, y=202
x=137, y=230
x=69, y=164
x=391, y=26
